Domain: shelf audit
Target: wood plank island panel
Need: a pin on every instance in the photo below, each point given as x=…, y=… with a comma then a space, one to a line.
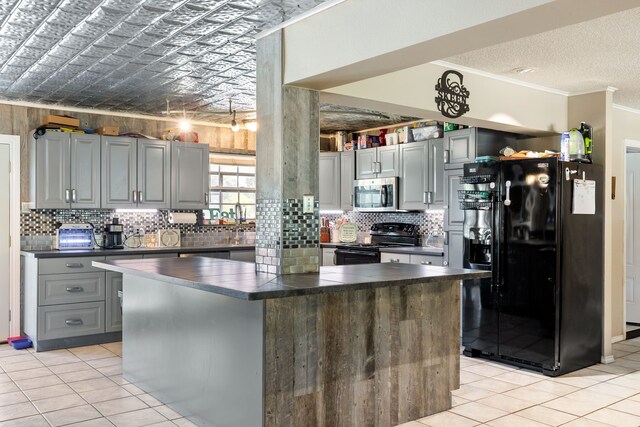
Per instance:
x=377, y=357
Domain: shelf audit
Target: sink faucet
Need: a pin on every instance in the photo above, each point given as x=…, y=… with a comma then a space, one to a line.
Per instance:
x=236, y=239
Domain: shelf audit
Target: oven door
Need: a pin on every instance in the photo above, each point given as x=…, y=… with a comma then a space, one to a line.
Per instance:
x=376, y=195
x=354, y=256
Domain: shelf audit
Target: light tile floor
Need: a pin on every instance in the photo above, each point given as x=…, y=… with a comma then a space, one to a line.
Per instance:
x=84, y=387
x=493, y=394
x=76, y=387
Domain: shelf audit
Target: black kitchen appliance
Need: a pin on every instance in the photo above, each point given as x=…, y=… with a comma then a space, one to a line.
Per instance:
x=384, y=234
x=542, y=307
x=113, y=235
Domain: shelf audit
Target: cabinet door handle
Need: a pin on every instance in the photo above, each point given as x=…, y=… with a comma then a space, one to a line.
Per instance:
x=446, y=156
x=74, y=196
x=74, y=265
x=426, y=263
x=73, y=322
x=206, y=199
x=75, y=289
x=424, y=198
x=66, y=196
x=429, y=197
x=335, y=259
x=351, y=202
x=446, y=237
x=135, y=196
x=139, y=196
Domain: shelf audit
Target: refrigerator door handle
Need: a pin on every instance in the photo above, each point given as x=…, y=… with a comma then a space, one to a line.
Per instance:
x=507, y=200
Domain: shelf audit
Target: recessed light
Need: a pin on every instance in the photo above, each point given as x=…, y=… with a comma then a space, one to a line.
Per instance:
x=523, y=70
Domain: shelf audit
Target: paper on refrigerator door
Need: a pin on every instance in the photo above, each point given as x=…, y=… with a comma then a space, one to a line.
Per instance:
x=584, y=197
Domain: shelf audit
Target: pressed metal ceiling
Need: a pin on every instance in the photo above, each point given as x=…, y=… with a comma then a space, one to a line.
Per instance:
x=133, y=55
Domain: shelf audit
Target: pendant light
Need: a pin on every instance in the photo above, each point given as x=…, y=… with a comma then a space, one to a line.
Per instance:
x=235, y=127
x=251, y=125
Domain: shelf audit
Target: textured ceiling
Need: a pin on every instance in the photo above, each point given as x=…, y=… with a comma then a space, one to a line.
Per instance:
x=133, y=55
x=582, y=57
x=335, y=118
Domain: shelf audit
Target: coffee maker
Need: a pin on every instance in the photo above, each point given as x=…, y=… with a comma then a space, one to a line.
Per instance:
x=113, y=235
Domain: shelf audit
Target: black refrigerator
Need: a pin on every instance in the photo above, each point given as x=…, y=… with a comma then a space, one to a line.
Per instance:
x=542, y=308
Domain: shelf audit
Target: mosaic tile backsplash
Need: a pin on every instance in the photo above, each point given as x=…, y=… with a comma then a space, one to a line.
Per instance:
x=430, y=222
x=38, y=227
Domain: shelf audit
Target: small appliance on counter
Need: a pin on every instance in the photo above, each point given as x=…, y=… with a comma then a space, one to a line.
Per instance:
x=113, y=235
x=167, y=237
x=384, y=234
x=74, y=236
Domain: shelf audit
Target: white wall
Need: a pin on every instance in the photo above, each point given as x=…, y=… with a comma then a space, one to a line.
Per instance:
x=626, y=125
x=493, y=103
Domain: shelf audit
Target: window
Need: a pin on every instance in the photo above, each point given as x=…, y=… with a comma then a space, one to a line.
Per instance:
x=232, y=179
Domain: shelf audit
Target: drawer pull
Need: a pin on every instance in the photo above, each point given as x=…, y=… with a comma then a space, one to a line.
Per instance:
x=75, y=289
x=426, y=263
x=73, y=322
x=74, y=265
x=394, y=260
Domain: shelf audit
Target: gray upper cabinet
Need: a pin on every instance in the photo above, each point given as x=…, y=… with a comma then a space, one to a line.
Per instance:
x=329, y=185
x=436, y=172
x=189, y=175
x=414, y=176
x=380, y=162
x=347, y=175
x=67, y=171
x=154, y=163
x=388, y=161
x=421, y=175
x=85, y=171
x=119, y=158
x=366, y=163
x=460, y=147
x=135, y=173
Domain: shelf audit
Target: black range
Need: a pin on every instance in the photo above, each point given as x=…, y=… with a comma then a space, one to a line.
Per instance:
x=383, y=235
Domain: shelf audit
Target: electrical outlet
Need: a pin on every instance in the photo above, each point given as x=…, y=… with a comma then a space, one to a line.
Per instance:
x=307, y=203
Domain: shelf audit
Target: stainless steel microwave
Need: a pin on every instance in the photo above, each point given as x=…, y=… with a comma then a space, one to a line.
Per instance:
x=376, y=195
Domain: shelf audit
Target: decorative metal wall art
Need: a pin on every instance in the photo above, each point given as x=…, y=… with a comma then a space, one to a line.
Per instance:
x=452, y=95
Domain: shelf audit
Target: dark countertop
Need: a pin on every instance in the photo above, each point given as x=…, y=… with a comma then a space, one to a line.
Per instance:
x=240, y=280
x=54, y=253
x=415, y=250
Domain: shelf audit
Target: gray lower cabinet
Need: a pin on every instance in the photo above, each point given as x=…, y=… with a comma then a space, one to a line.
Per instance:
x=70, y=320
x=189, y=175
x=65, y=171
x=65, y=302
x=135, y=173
x=329, y=187
x=113, y=316
x=454, y=249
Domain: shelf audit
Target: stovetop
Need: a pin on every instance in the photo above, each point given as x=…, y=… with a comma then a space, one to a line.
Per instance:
x=387, y=235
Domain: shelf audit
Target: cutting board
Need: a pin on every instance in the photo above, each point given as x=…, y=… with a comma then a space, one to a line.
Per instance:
x=348, y=232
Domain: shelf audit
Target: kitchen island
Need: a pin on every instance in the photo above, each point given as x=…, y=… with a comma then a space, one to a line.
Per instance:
x=374, y=344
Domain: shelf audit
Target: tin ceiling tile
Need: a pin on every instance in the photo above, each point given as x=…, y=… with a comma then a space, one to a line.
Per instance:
x=133, y=54
x=130, y=51
x=195, y=49
x=228, y=13
x=126, y=29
